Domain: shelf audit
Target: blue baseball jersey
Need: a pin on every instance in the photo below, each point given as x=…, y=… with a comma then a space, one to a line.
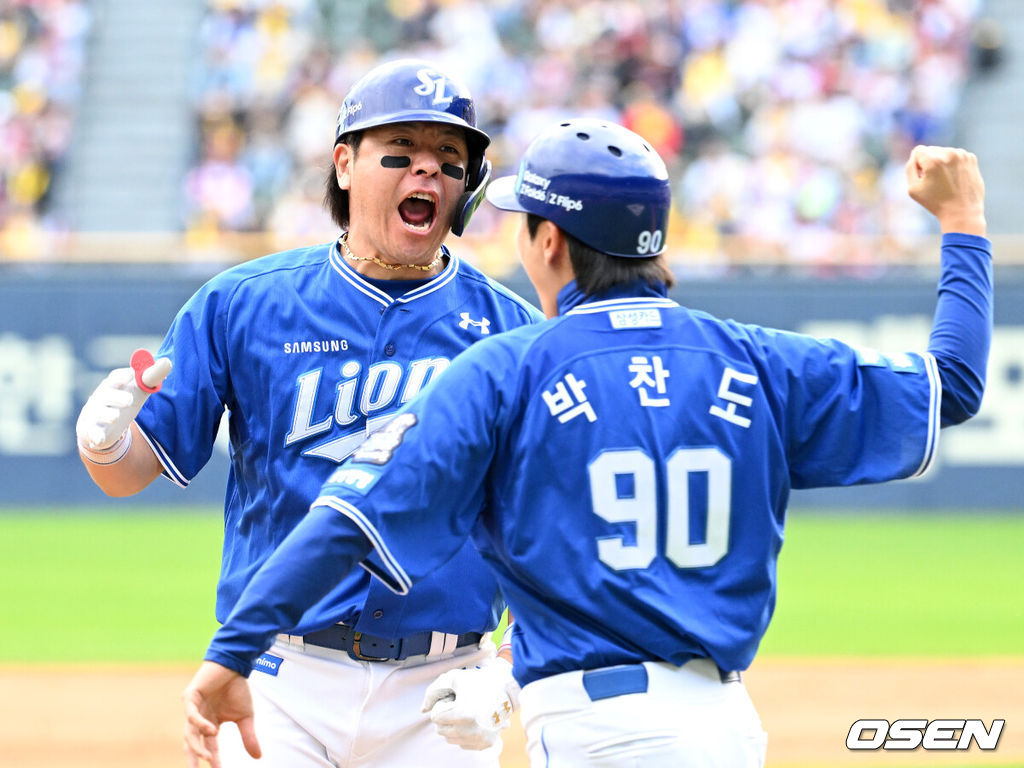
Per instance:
x=633, y=460
x=308, y=357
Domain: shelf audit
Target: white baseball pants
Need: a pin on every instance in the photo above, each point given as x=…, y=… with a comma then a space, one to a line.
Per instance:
x=323, y=709
x=686, y=718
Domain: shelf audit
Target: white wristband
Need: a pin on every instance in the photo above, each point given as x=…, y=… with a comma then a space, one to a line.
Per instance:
x=110, y=455
x=506, y=638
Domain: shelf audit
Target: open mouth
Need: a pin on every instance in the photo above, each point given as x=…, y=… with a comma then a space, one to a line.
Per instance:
x=418, y=211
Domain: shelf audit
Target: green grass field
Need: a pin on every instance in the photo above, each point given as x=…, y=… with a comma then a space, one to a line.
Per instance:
x=900, y=585
x=113, y=587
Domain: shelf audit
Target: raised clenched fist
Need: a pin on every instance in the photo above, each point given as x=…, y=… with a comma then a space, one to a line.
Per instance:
x=948, y=183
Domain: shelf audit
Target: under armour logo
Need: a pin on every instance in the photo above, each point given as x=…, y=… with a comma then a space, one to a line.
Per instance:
x=483, y=324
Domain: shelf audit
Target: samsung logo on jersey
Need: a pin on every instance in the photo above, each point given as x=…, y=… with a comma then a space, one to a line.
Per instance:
x=320, y=345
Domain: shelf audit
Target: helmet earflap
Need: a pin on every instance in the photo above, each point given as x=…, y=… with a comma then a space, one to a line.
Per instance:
x=470, y=200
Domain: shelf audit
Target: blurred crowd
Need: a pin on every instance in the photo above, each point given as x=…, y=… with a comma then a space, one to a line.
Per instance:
x=785, y=123
x=42, y=54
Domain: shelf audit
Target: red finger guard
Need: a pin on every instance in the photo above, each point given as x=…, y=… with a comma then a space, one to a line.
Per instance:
x=141, y=360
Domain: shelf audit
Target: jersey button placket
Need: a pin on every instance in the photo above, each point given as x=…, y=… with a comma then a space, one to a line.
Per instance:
x=389, y=349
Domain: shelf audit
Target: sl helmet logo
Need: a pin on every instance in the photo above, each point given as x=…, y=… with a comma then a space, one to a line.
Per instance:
x=483, y=323
x=432, y=82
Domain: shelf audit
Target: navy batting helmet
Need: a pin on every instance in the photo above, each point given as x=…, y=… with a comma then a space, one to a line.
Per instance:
x=413, y=90
x=597, y=181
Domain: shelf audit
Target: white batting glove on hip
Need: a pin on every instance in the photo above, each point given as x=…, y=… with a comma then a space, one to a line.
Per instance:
x=471, y=706
x=102, y=427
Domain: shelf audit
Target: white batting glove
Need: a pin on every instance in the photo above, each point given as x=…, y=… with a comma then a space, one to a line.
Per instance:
x=102, y=427
x=471, y=706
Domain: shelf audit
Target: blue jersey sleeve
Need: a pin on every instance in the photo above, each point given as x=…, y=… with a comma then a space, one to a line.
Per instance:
x=962, y=328
x=440, y=446
x=859, y=416
x=850, y=415
x=315, y=556
x=181, y=420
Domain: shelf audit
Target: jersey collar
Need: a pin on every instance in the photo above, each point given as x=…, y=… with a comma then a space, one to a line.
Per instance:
x=572, y=300
x=364, y=286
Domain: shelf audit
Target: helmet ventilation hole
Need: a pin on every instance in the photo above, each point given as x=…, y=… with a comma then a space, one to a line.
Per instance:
x=615, y=151
x=584, y=136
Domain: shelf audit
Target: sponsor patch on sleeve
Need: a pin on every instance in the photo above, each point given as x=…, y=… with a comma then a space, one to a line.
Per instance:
x=902, y=362
x=354, y=478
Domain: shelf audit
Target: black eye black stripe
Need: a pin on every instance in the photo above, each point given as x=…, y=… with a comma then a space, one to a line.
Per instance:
x=454, y=171
x=398, y=161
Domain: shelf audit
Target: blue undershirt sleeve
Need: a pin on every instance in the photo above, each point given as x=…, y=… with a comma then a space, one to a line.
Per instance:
x=311, y=560
x=962, y=327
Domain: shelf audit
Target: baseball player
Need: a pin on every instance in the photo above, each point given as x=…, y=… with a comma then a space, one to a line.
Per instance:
x=309, y=351
x=634, y=457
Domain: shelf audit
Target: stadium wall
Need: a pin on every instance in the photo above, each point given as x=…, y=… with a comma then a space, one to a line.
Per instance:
x=62, y=329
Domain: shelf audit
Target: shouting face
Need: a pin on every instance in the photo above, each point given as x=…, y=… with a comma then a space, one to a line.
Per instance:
x=403, y=183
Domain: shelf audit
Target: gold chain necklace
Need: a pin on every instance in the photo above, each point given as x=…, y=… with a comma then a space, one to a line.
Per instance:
x=386, y=265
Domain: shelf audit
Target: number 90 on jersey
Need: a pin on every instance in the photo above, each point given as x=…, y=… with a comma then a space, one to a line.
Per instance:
x=640, y=507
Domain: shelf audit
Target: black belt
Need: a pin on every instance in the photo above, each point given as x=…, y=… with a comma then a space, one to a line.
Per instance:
x=363, y=647
x=607, y=682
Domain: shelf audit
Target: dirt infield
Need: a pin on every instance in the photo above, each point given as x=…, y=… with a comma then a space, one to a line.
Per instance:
x=130, y=717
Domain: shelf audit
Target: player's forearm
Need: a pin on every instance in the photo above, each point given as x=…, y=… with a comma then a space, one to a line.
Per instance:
x=314, y=557
x=129, y=474
x=965, y=218
x=962, y=328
